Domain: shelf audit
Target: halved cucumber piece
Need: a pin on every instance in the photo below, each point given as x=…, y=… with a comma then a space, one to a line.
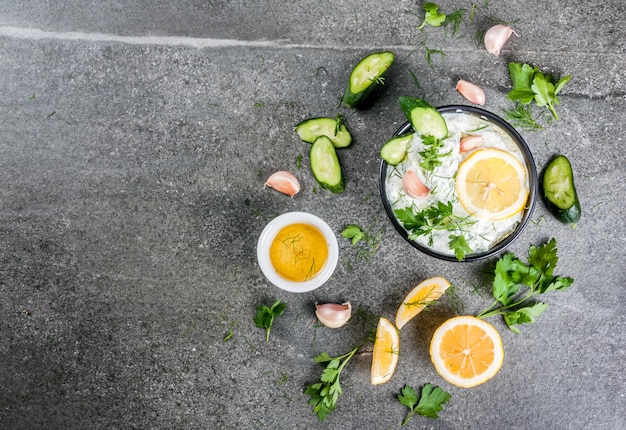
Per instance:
x=559, y=191
x=333, y=128
x=325, y=165
x=395, y=150
x=366, y=77
x=424, y=118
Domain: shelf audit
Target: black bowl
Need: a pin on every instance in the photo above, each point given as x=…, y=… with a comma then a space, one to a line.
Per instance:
x=532, y=183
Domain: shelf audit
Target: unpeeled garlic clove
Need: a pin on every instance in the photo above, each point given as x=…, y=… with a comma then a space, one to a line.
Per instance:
x=285, y=182
x=469, y=142
x=496, y=37
x=333, y=315
x=472, y=92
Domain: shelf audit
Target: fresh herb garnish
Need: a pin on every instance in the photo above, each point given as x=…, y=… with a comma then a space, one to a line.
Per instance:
x=264, y=317
x=427, y=404
x=432, y=15
x=324, y=394
x=431, y=157
x=530, y=84
x=365, y=241
x=430, y=52
x=438, y=216
x=299, y=161
x=522, y=116
x=459, y=245
x=511, y=274
x=454, y=19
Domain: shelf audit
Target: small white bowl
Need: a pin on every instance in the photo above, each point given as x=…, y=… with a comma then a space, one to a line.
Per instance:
x=265, y=242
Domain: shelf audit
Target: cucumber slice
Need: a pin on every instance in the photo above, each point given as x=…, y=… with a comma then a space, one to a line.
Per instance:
x=395, y=150
x=366, y=77
x=424, y=118
x=333, y=128
x=559, y=191
x=325, y=165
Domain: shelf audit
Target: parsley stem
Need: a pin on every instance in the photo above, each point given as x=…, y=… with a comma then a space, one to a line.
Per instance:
x=502, y=310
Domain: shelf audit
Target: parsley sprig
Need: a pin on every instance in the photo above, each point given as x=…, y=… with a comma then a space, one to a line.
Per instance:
x=516, y=284
x=432, y=16
x=426, y=405
x=530, y=84
x=431, y=155
x=438, y=216
x=325, y=393
x=265, y=315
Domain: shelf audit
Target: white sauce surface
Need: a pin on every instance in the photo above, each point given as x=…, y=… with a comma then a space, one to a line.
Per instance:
x=482, y=235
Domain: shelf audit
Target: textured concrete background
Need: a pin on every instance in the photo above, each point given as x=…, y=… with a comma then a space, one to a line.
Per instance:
x=135, y=139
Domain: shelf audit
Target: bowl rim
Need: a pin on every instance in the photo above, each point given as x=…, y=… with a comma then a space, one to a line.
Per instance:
x=533, y=180
x=265, y=241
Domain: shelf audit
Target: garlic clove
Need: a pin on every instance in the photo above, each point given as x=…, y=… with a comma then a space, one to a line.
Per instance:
x=333, y=315
x=496, y=37
x=413, y=185
x=285, y=182
x=472, y=92
x=470, y=141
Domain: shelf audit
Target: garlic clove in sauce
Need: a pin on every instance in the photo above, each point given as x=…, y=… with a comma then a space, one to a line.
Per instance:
x=496, y=37
x=414, y=186
x=333, y=315
x=469, y=142
x=285, y=182
x=472, y=92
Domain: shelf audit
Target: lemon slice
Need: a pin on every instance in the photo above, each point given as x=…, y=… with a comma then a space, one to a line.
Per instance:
x=386, y=352
x=466, y=351
x=492, y=184
x=421, y=296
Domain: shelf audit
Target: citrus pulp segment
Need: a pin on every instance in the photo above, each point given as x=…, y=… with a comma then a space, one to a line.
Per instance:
x=421, y=296
x=386, y=352
x=492, y=184
x=466, y=351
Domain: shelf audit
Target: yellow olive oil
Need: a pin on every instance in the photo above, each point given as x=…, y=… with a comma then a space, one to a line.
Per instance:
x=298, y=252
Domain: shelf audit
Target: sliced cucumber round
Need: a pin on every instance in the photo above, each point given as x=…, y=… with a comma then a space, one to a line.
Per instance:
x=559, y=191
x=395, y=150
x=366, y=77
x=325, y=165
x=333, y=128
x=424, y=118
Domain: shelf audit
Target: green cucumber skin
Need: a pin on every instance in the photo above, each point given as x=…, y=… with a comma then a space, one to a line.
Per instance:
x=342, y=139
x=364, y=98
x=565, y=215
x=409, y=105
x=324, y=144
x=389, y=150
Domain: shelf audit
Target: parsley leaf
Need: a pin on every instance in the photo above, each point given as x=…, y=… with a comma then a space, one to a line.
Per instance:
x=353, y=232
x=530, y=84
x=432, y=15
x=525, y=315
x=431, y=157
x=438, y=216
x=264, y=317
x=459, y=245
x=427, y=405
x=516, y=284
x=325, y=393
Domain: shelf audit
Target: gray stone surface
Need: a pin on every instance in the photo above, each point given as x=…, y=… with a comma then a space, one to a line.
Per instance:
x=135, y=138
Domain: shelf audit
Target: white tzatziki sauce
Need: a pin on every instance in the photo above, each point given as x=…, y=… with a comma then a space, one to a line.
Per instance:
x=481, y=235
